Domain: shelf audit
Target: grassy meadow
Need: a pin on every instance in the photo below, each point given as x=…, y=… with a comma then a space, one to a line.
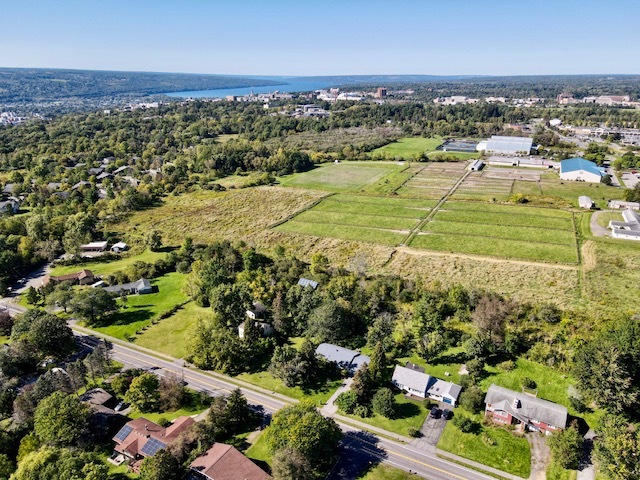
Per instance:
x=108, y=268
x=408, y=147
x=341, y=177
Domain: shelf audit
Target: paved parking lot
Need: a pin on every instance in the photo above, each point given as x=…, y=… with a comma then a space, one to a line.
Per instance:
x=630, y=179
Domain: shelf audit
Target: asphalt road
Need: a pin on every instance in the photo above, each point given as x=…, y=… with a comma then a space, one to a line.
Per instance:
x=359, y=448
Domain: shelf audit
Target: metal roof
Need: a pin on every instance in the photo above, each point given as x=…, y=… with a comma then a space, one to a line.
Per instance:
x=305, y=282
x=513, y=144
x=579, y=163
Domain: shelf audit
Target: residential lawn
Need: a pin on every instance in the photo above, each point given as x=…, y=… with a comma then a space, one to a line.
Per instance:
x=385, y=472
x=269, y=382
x=140, y=310
x=448, y=362
x=171, y=335
x=530, y=234
x=409, y=414
x=555, y=472
x=409, y=147
x=341, y=177
x=108, y=268
x=503, y=248
x=345, y=232
x=194, y=407
x=259, y=452
x=492, y=446
x=362, y=220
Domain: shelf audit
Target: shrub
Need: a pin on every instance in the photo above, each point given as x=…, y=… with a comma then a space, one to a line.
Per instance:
x=472, y=399
x=578, y=405
x=362, y=411
x=507, y=366
x=529, y=383
x=414, y=432
x=163, y=422
x=465, y=424
x=347, y=401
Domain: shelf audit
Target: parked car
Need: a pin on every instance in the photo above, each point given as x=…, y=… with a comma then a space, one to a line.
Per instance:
x=435, y=412
x=446, y=414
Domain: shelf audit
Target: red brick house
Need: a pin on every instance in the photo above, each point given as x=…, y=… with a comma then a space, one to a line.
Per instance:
x=518, y=408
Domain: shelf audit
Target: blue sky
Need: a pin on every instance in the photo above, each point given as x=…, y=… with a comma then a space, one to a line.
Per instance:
x=324, y=37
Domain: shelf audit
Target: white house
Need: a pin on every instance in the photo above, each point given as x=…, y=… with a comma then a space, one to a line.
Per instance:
x=619, y=204
x=265, y=328
x=580, y=170
x=423, y=385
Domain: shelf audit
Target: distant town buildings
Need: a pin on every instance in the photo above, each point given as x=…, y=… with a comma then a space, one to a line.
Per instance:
x=609, y=100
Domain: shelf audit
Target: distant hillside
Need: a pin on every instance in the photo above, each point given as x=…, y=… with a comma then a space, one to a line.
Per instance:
x=38, y=85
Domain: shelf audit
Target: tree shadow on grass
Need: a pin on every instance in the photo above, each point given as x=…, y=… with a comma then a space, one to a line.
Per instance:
x=405, y=410
x=459, y=357
x=359, y=454
x=128, y=316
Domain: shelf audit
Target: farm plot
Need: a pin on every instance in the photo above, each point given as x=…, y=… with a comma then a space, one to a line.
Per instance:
x=369, y=219
x=433, y=181
x=342, y=177
x=409, y=147
x=514, y=232
x=478, y=186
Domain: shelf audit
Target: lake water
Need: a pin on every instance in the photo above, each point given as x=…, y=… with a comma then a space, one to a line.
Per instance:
x=289, y=85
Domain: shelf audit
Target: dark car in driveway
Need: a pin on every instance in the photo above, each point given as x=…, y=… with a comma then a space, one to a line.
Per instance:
x=446, y=414
x=435, y=412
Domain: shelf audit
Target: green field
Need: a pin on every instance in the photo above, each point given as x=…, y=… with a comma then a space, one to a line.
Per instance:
x=551, y=189
x=139, y=311
x=524, y=218
x=501, y=248
x=524, y=233
x=341, y=177
x=171, y=335
x=108, y=268
x=268, y=381
x=409, y=147
x=362, y=218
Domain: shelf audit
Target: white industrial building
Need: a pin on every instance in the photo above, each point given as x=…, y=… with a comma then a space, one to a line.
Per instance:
x=629, y=229
x=580, y=170
x=500, y=145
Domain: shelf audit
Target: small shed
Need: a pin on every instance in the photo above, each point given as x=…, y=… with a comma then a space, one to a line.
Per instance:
x=119, y=247
x=476, y=165
x=586, y=202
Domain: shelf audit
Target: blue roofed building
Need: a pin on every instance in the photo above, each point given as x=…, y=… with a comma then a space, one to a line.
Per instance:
x=579, y=169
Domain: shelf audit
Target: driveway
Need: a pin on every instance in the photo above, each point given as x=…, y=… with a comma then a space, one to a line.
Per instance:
x=431, y=430
x=597, y=230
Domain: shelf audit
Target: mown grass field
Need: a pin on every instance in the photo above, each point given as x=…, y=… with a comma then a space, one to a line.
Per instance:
x=172, y=335
x=341, y=177
x=352, y=217
x=408, y=147
x=268, y=381
x=138, y=311
x=514, y=232
x=108, y=268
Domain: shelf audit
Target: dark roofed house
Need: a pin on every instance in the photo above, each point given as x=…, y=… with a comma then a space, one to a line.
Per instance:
x=142, y=438
x=349, y=360
x=511, y=407
x=224, y=462
x=258, y=310
x=141, y=287
x=9, y=206
x=96, y=171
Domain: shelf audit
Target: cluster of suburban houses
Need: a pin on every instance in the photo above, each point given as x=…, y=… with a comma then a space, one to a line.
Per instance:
x=142, y=438
x=523, y=409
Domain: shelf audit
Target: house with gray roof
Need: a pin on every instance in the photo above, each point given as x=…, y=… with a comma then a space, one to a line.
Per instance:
x=423, y=385
x=141, y=287
x=346, y=359
x=520, y=408
x=629, y=229
x=305, y=282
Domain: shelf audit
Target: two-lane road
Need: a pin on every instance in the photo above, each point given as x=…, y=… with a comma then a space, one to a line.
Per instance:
x=356, y=443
